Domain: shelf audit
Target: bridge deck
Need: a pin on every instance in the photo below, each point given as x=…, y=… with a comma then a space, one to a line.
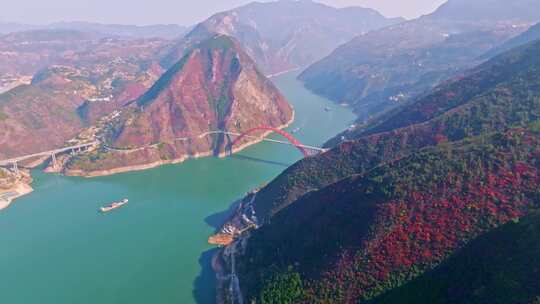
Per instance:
x=46, y=153
x=64, y=149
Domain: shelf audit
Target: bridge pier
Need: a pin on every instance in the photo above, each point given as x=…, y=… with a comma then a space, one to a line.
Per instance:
x=16, y=169
x=54, y=162
x=47, y=154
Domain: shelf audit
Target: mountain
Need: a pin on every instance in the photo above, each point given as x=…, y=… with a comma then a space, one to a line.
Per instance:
x=25, y=53
x=385, y=68
x=499, y=267
x=165, y=31
x=530, y=35
x=409, y=190
x=41, y=115
x=370, y=233
x=284, y=35
x=84, y=81
x=215, y=86
x=11, y=27
x=493, y=96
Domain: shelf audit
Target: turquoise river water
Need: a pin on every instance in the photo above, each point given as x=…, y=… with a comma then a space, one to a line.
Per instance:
x=55, y=247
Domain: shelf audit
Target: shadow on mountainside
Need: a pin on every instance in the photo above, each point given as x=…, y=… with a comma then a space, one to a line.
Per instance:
x=259, y=160
x=204, y=286
x=217, y=219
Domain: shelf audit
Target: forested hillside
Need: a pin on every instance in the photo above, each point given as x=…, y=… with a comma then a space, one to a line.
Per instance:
x=500, y=93
x=405, y=193
x=502, y=266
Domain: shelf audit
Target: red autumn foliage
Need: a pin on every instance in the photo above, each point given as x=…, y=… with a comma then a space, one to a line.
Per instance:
x=418, y=231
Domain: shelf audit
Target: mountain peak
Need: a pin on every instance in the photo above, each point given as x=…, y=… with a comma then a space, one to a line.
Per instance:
x=214, y=87
x=283, y=35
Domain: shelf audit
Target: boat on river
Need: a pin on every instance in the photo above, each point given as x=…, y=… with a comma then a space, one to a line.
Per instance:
x=114, y=205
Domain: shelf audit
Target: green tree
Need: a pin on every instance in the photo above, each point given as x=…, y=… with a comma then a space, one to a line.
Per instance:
x=284, y=287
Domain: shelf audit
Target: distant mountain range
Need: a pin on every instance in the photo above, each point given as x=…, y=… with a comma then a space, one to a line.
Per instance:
x=530, y=35
x=165, y=31
x=284, y=35
x=384, y=68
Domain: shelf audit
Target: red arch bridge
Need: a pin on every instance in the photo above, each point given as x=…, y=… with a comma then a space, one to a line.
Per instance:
x=291, y=140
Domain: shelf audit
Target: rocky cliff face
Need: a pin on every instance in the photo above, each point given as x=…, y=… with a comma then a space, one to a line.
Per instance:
x=284, y=35
x=214, y=87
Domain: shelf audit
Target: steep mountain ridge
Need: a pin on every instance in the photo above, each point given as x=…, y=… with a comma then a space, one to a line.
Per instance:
x=497, y=94
x=214, y=87
x=506, y=70
x=374, y=213
x=283, y=35
x=369, y=233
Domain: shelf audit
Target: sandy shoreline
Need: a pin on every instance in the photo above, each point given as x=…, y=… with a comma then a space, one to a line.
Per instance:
x=21, y=189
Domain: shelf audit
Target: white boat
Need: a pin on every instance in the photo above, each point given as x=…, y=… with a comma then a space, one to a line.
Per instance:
x=114, y=205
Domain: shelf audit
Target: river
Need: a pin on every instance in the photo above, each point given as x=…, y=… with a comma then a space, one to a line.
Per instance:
x=56, y=248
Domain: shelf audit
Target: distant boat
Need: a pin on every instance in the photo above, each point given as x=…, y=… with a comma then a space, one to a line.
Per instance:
x=296, y=130
x=113, y=206
x=328, y=109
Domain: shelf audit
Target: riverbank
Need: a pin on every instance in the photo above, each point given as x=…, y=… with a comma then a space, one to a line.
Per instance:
x=9, y=195
x=141, y=167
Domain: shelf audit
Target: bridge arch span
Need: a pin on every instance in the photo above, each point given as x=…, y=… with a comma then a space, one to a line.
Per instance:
x=288, y=136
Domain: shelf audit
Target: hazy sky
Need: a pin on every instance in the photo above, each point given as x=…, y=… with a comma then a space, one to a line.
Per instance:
x=168, y=11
